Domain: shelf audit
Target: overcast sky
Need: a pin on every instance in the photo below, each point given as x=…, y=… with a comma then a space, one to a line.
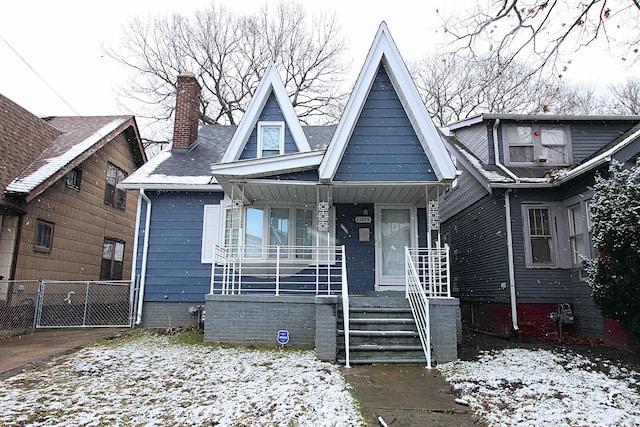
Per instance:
x=61, y=42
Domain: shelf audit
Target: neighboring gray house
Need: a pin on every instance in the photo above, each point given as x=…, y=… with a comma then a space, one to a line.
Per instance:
x=517, y=219
x=291, y=232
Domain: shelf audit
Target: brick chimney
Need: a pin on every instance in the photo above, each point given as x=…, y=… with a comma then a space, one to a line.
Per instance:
x=185, y=127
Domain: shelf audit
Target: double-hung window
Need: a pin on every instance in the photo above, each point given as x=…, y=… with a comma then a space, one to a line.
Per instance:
x=537, y=144
x=270, y=139
x=541, y=239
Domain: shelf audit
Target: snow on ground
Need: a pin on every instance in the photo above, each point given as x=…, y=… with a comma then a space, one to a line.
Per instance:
x=151, y=380
x=539, y=387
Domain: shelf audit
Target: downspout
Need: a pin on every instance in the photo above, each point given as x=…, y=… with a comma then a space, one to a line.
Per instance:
x=507, y=208
x=496, y=153
x=512, y=277
x=145, y=252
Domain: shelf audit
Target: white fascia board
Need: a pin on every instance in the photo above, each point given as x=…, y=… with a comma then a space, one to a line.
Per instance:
x=384, y=49
x=466, y=122
x=269, y=165
x=270, y=82
x=171, y=187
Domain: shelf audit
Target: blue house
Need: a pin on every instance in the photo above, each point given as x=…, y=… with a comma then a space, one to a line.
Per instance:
x=518, y=223
x=316, y=235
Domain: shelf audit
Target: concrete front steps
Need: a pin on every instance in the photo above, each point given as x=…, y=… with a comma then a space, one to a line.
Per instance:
x=382, y=330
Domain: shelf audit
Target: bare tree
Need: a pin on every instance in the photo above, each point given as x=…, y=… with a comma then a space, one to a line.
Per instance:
x=627, y=96
x=229, y=53
x=454, y=88
x=541, y=31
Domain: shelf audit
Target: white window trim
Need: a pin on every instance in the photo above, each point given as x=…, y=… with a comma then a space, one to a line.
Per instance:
x=583, y=200
x=537, y=145
x=559, y=235
x=261, y=126
x=212, y=231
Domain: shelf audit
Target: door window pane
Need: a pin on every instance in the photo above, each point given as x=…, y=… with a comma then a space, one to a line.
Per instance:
x=396, y=235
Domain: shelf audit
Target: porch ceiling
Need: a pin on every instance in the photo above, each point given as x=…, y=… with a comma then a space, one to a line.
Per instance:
x=299, y=192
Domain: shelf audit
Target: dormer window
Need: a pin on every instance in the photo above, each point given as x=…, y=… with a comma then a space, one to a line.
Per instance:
x=270, y=139
x=537, y=144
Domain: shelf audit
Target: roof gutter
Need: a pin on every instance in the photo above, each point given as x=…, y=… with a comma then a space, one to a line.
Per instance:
x=496, y=153
x=145, y=254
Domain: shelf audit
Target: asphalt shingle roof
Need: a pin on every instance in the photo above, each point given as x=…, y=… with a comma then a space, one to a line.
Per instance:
x=193, y=166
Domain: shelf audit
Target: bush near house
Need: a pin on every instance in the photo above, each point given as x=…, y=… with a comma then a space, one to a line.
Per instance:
x=615, y=275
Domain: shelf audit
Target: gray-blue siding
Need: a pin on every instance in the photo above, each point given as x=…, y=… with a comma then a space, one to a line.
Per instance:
x=384, y=146
x=479, y=258
x=272, y=113
x=477, y=236
x=174, y=270
x=586, y=137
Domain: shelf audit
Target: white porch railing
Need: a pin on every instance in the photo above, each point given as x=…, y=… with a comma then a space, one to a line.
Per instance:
x=427, y=276
x=319, y=270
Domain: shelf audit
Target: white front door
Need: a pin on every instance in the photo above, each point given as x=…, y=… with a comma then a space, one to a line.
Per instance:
x=395, y=230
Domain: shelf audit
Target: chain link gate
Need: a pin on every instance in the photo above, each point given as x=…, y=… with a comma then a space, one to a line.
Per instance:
x=84, y=304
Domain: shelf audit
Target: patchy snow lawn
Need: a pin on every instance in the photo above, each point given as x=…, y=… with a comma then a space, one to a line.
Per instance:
x=152, y=380
x=539, y=387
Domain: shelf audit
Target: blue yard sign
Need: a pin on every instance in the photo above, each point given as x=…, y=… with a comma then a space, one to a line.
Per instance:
x=283, y=337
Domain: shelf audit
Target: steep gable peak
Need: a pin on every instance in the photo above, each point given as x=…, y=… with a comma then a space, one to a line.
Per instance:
x=270, y=84
x=384, y=52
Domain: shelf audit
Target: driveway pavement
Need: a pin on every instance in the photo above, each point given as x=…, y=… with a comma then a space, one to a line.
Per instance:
x=24, y=351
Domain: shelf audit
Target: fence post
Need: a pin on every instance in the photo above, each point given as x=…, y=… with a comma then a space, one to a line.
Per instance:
x=86, y=304
x=38, y=310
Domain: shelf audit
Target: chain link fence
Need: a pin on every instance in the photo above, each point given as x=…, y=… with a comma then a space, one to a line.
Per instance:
x=17, y=306
x=80, y=304
x=28, y=305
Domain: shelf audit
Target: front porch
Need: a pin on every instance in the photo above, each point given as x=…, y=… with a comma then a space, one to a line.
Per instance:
x=305, y=293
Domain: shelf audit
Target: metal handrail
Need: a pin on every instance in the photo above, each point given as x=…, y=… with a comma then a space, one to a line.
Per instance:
x=345, y=309
x=419, y=304
x=276, y=269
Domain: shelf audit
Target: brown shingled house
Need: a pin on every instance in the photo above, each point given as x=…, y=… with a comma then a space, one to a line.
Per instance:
x=61, y=215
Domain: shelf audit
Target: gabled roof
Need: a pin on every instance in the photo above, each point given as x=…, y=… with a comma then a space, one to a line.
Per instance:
x=490, y=176
x=383, y=50
x=39, y=151
x=79, y=138
x=23, y=137
x=270, y=83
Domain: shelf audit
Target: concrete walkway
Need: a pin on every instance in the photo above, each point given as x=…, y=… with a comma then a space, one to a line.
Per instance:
x=24, y=351
x=406, y=396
